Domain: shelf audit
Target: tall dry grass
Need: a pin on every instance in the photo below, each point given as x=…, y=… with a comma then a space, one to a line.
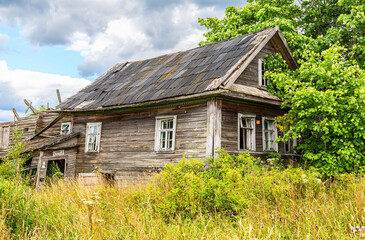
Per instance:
x=71, y=210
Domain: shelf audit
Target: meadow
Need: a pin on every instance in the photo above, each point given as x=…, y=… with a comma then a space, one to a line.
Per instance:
x=238, y=197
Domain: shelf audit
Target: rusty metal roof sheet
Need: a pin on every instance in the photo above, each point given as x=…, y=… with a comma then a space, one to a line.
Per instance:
x=167, y=76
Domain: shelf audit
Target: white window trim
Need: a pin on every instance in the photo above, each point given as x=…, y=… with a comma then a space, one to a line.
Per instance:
x=98, y=136
x=240, y=115
x=70, y=128
x=157, y=133
x=263, y=134
x=260, y=62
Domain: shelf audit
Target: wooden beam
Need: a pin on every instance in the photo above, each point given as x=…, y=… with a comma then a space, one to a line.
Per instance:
x=53, y=122
x=214, y=127
x=16, y=115
x=59, y=96
x=30, y=106
x=39, y=168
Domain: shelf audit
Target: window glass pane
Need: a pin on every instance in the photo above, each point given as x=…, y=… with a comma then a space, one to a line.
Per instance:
x=249, y=140
x=93, y=129
x=271, y=125
x=169, y=144
x=244, y=139
x=244, y=122
x=171, y=124
x=163, y=136
x=163, y=125
x=250, y=123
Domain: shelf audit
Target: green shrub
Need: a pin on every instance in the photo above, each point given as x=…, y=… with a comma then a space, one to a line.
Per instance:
x=13, y=163
x=229, y=186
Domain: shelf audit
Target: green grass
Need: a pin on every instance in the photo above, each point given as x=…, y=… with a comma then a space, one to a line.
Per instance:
x=278, y=204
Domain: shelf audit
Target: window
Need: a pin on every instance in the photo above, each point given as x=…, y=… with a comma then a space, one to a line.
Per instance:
x=165, y=133
x=269, y=134
x=246, y=135
x=263, y=81
x=65, y=128
x=93, y=131
x=4, y=137
x=289, y=146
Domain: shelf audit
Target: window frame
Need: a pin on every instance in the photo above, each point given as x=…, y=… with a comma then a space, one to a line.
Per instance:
x=253, y=137
x=158, y=131
x=263, y=81
x=292, y=143
x=70, y=128
x=98, y=136
x=263, y=134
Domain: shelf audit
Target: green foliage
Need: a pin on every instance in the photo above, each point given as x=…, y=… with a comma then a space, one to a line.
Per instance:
x=326, y=96
x=255, y=16
x=13, y=163
x=54, y=171
x=252, y=201
x=228, y=187
x=308, y=26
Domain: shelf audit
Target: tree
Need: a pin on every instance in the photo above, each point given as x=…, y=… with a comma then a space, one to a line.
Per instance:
x=326, y=94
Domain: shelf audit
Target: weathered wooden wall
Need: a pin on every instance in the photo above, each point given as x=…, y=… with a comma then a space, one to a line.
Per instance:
x=230, y=129
x=69, y=157
x=29, y=125
x=250, y=76
x=127, y=140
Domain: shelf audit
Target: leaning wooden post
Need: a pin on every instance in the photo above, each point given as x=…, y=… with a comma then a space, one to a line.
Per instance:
x=30, y=106
x=58, y=96
x=39, y=167
x=16, y=115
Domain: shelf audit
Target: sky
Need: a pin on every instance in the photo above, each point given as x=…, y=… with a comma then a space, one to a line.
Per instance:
x=65, y=44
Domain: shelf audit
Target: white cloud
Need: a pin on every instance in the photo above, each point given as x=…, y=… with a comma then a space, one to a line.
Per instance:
x=130, y=39
x=6, y=115
x=39, y=88
x=112, y=31
x=4, y=39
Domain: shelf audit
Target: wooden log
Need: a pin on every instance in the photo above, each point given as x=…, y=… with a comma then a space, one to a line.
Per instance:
x=59, y=96
x=16, y=115
x=30, y=106
x=39, y=167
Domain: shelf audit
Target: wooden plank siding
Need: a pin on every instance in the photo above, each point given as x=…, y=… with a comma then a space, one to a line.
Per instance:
x=69, y=157
x=249, y=76
x=230, y=112
x=127, y=140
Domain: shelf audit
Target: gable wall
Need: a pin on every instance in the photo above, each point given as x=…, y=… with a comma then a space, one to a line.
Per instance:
x=230, y=112
x=249, y=76
x=127, y=140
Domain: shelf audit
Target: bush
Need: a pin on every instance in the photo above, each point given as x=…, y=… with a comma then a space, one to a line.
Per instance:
x=230, y=185
x=13, y=163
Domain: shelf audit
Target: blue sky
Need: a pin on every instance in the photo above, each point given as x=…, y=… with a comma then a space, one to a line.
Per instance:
x=21, y=54
x=65, y=44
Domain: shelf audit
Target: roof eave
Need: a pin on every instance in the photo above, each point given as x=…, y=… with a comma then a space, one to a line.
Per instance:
x=149, y=103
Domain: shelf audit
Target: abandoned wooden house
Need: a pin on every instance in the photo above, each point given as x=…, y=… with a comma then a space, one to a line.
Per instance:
x=140, y=115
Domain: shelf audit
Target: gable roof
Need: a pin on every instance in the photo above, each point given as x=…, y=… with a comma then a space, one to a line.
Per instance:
x=186, y=73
